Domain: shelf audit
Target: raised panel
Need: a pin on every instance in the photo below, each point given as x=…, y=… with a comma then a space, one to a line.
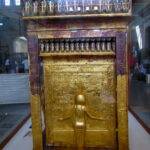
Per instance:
x=63, y=80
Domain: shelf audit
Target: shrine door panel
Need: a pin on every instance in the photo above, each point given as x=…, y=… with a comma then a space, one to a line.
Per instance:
x=64, y=78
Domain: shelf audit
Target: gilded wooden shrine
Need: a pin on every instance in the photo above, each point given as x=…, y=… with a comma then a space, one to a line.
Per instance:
x=82, y=45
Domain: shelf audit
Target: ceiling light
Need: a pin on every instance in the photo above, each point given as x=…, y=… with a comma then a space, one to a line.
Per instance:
x=96, y=30
x=17, y=2
x=1, y=24
x=7, y=2
x=22, y=38
x=74, y=31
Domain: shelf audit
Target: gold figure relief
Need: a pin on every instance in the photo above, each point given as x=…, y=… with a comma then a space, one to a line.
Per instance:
x=79, y=111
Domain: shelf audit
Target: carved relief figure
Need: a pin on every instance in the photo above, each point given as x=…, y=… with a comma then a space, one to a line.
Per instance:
x=79, y=112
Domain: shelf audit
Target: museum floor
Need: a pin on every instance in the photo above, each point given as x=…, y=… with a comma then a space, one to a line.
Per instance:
x=140, y=100
x=138, y=137
x=11, y=116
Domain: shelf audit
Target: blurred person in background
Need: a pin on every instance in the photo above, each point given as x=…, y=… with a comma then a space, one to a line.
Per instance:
x=16, y=63
x=7, y=65
x=25, y=63
x=12, y=65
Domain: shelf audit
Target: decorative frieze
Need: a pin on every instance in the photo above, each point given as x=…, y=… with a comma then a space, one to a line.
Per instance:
x=59, y=7
x=78, y=45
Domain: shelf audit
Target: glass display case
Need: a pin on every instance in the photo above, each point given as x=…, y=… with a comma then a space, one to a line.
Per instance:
x=140, y=63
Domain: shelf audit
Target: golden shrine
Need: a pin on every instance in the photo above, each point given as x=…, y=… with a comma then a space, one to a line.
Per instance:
x=82, y=45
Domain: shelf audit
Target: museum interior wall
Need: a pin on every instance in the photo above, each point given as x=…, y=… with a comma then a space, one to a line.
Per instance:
x=14, y=86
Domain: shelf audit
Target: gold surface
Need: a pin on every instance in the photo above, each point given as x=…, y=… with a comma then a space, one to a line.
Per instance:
x=77, y=16
x=122, y=107
x=64, y=32
x=35, y=104
x=36, y=122
x=63, y=25
x=78, y=113
x=77, y=53
x=122, y=111
x=62, y=79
